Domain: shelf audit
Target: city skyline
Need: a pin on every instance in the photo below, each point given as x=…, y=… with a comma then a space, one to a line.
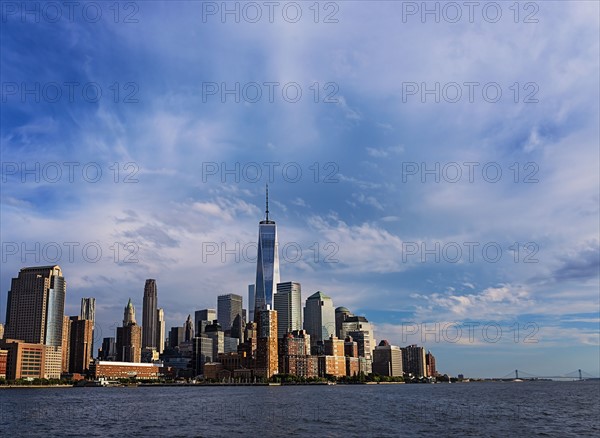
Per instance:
x=329, y=327
x=428, y=175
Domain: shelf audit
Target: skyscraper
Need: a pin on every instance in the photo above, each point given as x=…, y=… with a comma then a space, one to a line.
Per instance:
x=129, y=337
x=360, y=329
x=149, y=316
x=88, y=312
x=188, y=328
x=288, y=304
x=129, y=314
x=341, y=313
x=251, y=303
x=267, y=262
x=88, y=309
x=160, y=330
x=267, y=360
x=319, y=317
x=414, y=361
x=387, y=360
x=35, y=310
x=202, y=318
x=228, y=308
x=80, y=345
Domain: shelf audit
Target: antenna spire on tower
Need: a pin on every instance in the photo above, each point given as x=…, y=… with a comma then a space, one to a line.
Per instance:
x=267, y=210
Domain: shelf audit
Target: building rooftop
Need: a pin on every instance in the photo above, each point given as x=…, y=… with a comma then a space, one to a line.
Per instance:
x=318, y=294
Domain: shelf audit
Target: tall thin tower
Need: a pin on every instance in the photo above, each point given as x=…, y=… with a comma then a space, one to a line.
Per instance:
x=267, y=262
x=149, y=315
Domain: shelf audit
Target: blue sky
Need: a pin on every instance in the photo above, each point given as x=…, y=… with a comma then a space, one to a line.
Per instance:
x=371, y=211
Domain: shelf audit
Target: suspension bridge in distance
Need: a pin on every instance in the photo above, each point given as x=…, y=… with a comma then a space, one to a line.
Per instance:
x=520, y=375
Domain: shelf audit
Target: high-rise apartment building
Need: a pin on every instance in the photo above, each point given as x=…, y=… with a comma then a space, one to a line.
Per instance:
x=288, y=304
x=319, y=317
x=88, y=311
x=414, y=361
x=160, y=330
x=65, y=344
x=267, y=263
x=294, y=355
x=430, y=364
x=149, y=315
x=80, y=345
x=267, y=361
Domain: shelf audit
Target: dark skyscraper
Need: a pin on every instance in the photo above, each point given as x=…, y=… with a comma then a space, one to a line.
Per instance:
x=188, y=327
x=80, y=345
x=149, y=315
x=228, y=308
x=267, y=262
x=36, y=303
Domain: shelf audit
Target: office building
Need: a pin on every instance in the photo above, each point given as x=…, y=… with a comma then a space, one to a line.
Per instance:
x=188, y=327
x=341, y=313
x=251, y=303
x=387, y=360
x=149, y=315
x=229, y=307
x=202, y=353
x=319, y=317
x=125, y=370
x=359, y=328
x=108, y=350
x=202, y=318
x=129, y=337
x=288, y=304
x=267, y=263
x=215, y=332
x=176, y=336
x=35, y=310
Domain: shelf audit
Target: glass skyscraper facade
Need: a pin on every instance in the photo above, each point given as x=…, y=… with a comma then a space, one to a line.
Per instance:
x=267, y=263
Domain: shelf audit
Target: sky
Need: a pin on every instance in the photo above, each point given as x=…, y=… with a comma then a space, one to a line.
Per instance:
x=436, y=172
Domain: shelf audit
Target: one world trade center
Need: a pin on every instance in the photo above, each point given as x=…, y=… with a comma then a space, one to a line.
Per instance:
x=267, y=262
